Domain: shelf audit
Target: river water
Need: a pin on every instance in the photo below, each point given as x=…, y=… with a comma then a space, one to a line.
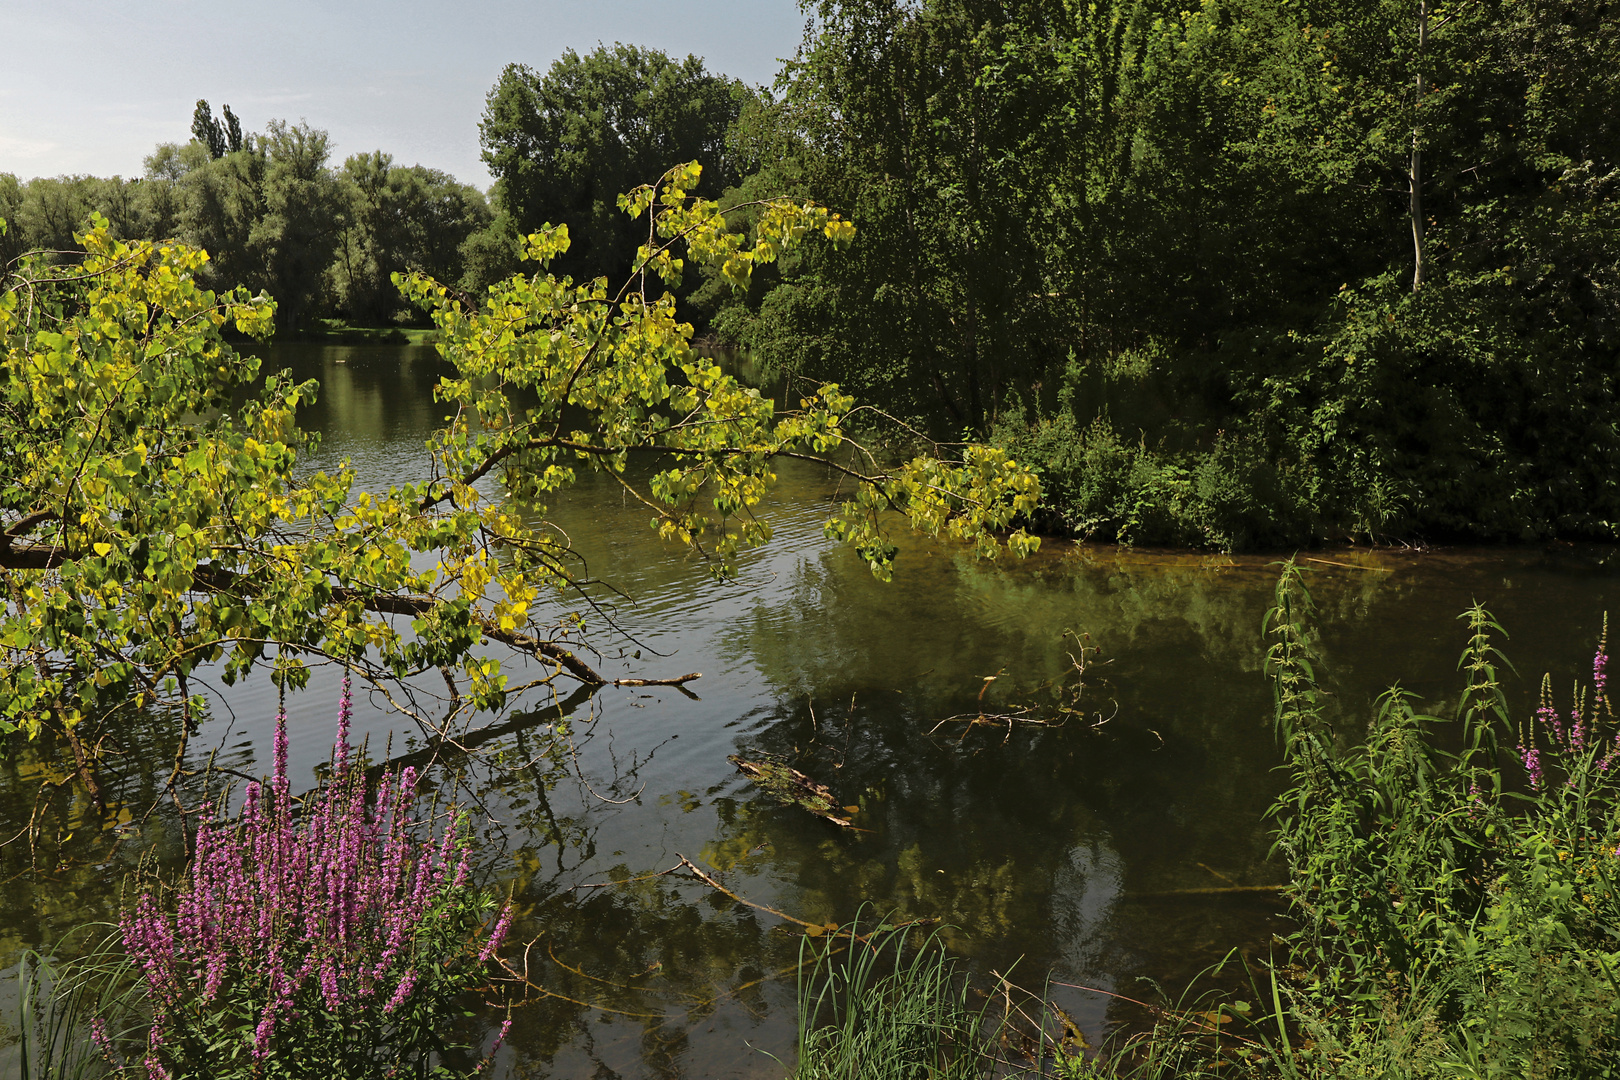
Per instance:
x=1123, y=846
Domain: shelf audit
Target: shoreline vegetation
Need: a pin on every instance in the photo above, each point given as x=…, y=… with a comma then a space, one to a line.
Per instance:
x=339, y=330
x=1453, y=881
x=1257, y=275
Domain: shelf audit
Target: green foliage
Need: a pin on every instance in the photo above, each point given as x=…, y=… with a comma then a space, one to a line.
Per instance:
x=563, y=145
x=273, y=216
x=870, y=1008
x=1453, y=921
x=1056, y=197
x=268, y=212
x=934, y=126
x=1098, y=486
x=46, y=212
x=151, y=527
x=398, y=219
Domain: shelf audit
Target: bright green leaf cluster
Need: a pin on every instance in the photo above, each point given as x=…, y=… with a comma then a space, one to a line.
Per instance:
x=149, y=527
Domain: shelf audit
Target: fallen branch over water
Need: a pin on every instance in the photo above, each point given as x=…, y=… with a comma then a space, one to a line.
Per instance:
x=811, y=929
x=793, y=788
x=681, y=680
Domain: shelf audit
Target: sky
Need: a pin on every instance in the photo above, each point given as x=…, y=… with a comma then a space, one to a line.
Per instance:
x=91, y=86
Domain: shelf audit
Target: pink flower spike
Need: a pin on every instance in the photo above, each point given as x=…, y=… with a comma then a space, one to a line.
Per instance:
x=345, y=710
x=262, y=1034
x=403, y=991
x=1532, y=765
x=311, y=915
x=103, y=1041
x=500, y=1040
x=279, y=751
x=496, y=936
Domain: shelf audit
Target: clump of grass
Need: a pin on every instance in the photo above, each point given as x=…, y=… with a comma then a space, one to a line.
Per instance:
x=871, y=1007
x=59, y=1001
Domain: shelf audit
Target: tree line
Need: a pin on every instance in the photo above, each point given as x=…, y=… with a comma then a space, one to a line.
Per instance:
x=1235, y=273
x=273, y=213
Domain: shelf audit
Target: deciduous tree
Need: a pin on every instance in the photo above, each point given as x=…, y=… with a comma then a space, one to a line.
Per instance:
x=564, y=144
x=149, y=527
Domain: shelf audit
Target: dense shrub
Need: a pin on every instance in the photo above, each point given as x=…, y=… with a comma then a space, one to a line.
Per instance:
x=1457, y=880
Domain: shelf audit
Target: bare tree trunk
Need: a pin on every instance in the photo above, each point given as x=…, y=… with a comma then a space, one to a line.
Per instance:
x=1415, y=175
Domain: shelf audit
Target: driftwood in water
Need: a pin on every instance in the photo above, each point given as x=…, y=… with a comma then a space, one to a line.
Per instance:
x=791, y=787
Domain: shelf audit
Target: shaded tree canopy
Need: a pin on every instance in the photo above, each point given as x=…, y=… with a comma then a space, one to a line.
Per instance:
x=1253, y=273
x=396, y=218
x=1171, y=255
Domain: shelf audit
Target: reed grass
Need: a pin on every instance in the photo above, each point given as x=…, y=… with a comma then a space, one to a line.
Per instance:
x=875, y=1006
x=61, y=1001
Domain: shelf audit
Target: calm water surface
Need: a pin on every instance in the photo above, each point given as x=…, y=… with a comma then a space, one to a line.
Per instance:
x=1095, y=853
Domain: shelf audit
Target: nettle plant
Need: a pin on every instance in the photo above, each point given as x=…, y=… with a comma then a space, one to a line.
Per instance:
x=334, y=940
x=1456, y=878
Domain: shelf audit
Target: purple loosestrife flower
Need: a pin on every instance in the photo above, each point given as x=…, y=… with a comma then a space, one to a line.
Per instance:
x=262, y=1034
x=340, y=750
x=103, y=1041
x=401, y=992
x=497, y=936
x=1546, y=715
x=301, y=919
x=500, y=1040
x=1600, y=664
x=329, y=983
x=1532, y=764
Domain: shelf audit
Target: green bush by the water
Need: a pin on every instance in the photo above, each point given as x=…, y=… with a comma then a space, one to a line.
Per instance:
x=1456, y=878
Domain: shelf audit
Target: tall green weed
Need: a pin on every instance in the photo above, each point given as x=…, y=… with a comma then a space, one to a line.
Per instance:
x=1456, y=879
x=872, y=1008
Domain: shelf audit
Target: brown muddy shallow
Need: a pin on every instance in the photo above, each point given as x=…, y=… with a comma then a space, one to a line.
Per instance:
x=1093, y=853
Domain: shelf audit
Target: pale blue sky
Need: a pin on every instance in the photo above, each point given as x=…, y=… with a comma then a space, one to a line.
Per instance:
x=90, y=86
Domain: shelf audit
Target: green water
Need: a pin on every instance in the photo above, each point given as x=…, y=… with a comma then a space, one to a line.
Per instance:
x=1095, y=853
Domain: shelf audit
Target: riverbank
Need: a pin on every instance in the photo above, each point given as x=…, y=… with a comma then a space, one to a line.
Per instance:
x=337, y=331
x=1088, y=850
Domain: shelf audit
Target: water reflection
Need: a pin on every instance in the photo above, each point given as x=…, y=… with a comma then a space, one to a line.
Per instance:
x=1098, y=854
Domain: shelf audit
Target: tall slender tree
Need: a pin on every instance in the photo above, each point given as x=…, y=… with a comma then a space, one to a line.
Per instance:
x=206, y=130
